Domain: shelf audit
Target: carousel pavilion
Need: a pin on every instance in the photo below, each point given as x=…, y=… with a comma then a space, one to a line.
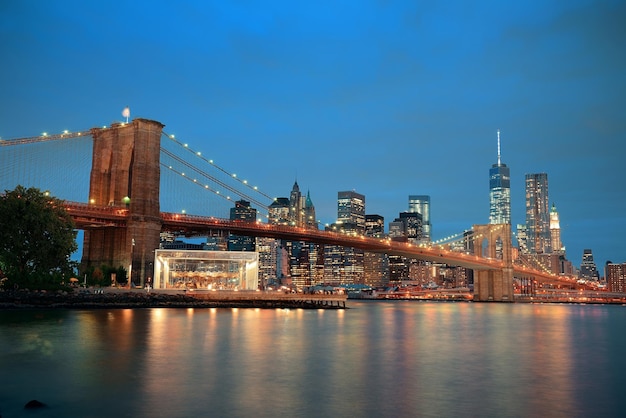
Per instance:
x=205, y=270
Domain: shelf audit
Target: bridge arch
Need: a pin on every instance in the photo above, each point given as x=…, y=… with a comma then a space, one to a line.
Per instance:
x=494, y=285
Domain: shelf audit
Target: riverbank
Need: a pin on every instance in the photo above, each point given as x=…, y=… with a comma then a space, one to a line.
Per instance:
x=139, y=298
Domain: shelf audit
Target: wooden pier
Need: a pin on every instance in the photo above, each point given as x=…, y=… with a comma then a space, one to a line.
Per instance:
x=255, y=298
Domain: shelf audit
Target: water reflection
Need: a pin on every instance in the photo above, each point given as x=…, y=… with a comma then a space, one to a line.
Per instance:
x=376, y=359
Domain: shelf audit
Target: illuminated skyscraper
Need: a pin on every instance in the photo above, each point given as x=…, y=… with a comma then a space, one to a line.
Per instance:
x=351, y=209
x=537, y=214
x=421, y=205
x=615, y=275
x=555, y=231
x=499, y=192
x=588, y=269
x=242, y=212
x=296, y=206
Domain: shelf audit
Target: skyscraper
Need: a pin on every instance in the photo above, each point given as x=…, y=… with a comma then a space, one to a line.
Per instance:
x=351, y=209
x=588, y=268
x=296, y=205
x=309, y=212
x=615, y=275
x=555, y=231
x=537, y=214
x=499, y=191
x=421, y=205
x=242, y=211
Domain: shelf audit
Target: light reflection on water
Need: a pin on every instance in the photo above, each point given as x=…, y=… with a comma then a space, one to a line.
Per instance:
x=392, y=359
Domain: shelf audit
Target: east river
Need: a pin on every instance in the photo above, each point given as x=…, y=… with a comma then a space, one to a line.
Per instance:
x=376, y=359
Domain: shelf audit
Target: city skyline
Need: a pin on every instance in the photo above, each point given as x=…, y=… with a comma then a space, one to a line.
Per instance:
x=386, y=100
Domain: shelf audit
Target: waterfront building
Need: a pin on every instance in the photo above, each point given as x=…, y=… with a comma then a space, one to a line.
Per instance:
x=207, y=270
x=538, y=239
x=588, y=269
x=615, y=275
x=267, y=248
x=499, y=191
x=295, y=263
x=421, y=204
x=344, y=265
x=375, y=265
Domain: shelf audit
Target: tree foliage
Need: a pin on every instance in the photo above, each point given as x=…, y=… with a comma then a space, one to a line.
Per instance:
x=37, y=238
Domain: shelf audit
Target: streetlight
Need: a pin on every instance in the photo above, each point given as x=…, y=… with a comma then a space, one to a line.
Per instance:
x=130, y=268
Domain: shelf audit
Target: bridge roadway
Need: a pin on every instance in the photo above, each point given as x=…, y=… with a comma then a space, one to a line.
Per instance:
x=87, y=216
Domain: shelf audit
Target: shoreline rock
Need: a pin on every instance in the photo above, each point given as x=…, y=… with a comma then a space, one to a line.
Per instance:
x=130, y=299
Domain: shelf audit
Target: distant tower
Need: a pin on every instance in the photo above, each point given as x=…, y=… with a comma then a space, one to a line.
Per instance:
x=537, y=214
x=309, y=212
x=296, y=205
x=588, y=268
x=555, y=231
x=421, y=205
x=499, y=191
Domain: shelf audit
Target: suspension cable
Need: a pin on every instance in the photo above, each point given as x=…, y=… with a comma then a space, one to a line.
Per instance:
x=232, y=175
x=210, y=177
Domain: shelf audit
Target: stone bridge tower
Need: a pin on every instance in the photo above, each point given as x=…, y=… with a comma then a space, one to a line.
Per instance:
x=494, y=285
x=125, y=173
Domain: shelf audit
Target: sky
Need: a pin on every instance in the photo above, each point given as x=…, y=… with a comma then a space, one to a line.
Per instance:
x=386, y=98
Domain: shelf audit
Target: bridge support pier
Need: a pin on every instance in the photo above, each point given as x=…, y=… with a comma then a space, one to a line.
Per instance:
x=126, y=173
x=494, y=285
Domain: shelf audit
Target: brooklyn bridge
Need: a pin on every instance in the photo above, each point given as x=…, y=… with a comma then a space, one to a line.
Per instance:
x=122, y=218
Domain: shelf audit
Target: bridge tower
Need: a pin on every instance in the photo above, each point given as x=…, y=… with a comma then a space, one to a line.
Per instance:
x=126, y=173
x=494, y=285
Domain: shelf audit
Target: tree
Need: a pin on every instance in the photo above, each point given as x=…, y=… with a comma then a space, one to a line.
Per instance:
x=37, y=238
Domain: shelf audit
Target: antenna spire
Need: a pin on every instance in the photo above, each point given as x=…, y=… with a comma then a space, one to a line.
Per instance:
x=498, y=146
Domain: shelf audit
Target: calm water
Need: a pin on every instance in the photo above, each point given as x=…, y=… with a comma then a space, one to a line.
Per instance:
x=378, y=359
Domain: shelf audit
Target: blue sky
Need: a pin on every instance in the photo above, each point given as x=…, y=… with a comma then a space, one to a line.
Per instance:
x=385, y=98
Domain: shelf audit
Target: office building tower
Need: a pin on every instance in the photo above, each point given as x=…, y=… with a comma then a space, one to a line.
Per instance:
x=412, y=226
x=615, y=275
x=351, y=210
x=242, y=212
x=296, y=206
x=588, y=268
x=537, y=214
x=555, y=232
x=375, y=265
x=309, y=212
x=421, y=205
x=374, y=226
x=499, y=192
x=278, y=212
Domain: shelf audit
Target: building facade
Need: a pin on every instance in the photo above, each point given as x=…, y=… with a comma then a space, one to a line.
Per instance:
x=588, y=269
x=615, y=275
x=351, y=209
x=555, y=232
x=499, y=192
x=538, y=240
x=421, y=204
